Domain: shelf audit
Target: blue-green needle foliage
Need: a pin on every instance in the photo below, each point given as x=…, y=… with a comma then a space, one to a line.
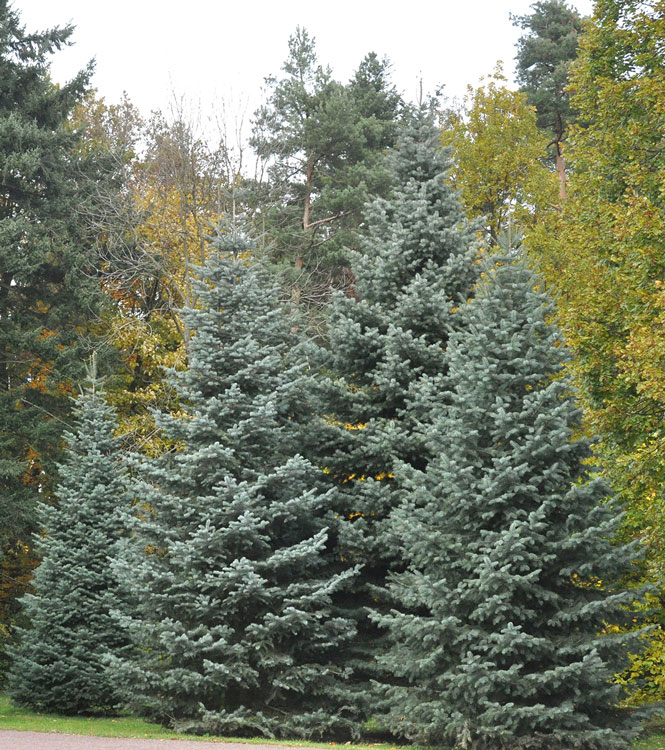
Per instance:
x=229, y=564
x=386, y=343
x=59, y=664
x=511, y=587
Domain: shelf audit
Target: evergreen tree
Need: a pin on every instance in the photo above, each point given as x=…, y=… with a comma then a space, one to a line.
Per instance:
x=48, y=291
x=511, y=586
x=228, y=565
x=387, y=341
x=544, y=56
x=323, y=142
x=59, y=662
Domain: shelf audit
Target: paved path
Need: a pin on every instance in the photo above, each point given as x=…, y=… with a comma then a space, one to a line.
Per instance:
x=52, y=741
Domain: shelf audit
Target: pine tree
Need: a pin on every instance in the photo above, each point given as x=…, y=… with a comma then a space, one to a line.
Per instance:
x=323, y=142
x=59, y=662
x=229, y=565
x=512, y=579
x=387, y=341
x=544, y=56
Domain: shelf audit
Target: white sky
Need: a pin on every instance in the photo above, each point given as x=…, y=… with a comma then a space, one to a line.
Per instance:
x=212, y=50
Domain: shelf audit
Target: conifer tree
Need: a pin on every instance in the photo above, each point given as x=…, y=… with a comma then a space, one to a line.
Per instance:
x=323, y=142
x=512, y=581
x=59, y=662
x=229, y=567
x=39, y=267
x=49, y=292
x=387, y=342
x=544, y=56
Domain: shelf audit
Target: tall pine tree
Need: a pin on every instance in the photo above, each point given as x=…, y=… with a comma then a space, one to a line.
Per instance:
x=323, y=142
x=229, y=563
x=512, y=582
x=544, y=57
x=386, y=342
x=59, y=662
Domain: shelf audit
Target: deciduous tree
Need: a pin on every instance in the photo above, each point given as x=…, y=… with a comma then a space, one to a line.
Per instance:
x=498, y=157
x=153, y=221
x=607, y=260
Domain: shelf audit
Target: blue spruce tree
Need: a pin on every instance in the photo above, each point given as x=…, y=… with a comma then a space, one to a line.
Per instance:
x=512, y=578
x=59, y=664
x=229, y=564
x=387, y=342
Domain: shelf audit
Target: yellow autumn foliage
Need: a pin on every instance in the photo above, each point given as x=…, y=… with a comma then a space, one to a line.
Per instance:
x=498, y=156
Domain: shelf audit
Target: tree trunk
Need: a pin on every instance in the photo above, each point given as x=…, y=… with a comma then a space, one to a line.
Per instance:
x=309, y=175
x=296, y=289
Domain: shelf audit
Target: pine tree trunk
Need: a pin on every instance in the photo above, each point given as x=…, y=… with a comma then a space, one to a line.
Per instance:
x=296, y=291
x=309, y=174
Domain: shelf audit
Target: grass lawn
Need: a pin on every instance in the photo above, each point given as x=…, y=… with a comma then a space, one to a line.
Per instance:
x=22, y=719
x=654, y=742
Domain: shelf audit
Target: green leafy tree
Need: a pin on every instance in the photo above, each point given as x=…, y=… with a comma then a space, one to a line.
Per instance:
x=498, y=157
x=156, y=220
x=323, y=143
x=58, y=665
x=387, y=341
x=229, y=565
x=544, y=56
x=48, y=291
x=604, y=257
x=609, y=267
x=512, y=576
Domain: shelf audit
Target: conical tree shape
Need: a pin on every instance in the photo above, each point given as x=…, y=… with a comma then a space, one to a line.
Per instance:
x=388, y=342
x=49, y=288
x=511, y=578
x=59, y=662
x=234, y=632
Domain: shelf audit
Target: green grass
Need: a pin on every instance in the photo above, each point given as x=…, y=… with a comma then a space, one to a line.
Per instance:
x=654, y=738
x=654, y=742
x=24, y=720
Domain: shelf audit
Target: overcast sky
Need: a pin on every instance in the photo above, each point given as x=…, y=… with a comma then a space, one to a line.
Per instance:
x=212, y=50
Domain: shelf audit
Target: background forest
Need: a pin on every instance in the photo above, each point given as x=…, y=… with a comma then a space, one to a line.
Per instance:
x=357, y=427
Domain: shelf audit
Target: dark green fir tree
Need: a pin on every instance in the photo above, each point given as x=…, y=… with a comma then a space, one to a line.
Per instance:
x=49, y=291
x=229, y=563
x=58, y=664
x=505, y=637
x=387, y=341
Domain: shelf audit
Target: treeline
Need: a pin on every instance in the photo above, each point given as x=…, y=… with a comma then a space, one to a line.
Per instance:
x=399, y=527
x=336, y=472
